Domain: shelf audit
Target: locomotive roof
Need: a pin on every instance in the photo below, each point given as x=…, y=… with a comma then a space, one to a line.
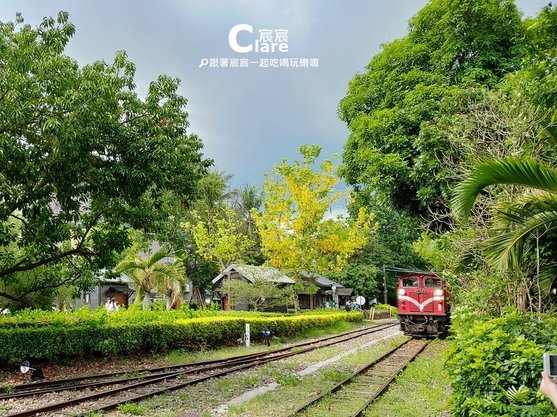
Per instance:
x=424, y=274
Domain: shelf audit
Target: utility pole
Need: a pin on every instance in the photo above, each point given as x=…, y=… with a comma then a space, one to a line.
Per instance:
x=385, y=283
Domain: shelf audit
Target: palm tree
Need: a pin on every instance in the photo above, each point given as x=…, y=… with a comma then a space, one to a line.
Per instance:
x=150, y=273
x=531, y=215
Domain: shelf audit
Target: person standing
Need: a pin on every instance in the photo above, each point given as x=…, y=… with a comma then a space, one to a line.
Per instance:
x=111, y=304
x=267, y=336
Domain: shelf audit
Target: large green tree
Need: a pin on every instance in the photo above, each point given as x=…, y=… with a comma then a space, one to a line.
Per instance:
x=392, y=155
x=82, y=156
x=536, y=79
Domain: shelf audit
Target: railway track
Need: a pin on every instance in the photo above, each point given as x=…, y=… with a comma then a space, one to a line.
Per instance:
x=351, y=397
x=136, y=385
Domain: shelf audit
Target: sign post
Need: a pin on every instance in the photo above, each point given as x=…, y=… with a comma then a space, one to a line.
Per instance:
x=247, y=336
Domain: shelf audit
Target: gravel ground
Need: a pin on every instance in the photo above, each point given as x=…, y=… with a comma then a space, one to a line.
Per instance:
x=11, y=375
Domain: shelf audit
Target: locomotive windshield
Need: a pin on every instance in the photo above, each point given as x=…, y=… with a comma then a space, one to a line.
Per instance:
x=431, y=282
x=410, y=282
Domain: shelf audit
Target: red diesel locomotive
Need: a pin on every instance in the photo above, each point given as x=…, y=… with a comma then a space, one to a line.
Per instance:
x=423, y=308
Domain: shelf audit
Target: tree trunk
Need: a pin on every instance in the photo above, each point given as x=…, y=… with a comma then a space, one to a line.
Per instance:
x=173, y=300
x=198, y=295
x=296, y=304
x=139, y=296
x=146, y=302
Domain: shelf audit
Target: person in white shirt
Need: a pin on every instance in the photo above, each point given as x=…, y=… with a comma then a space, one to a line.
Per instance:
x=111, y=304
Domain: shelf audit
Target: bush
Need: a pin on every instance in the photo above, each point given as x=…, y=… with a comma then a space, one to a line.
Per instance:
x=495, y=365
x=393, y=311
x=381, y=311
x=106, y=334
x=40, y=318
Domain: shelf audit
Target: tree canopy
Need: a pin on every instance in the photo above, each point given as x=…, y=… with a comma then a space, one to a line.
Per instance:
x=82, y=155
x=393, y=154
x=469, y=88
x=295, y=234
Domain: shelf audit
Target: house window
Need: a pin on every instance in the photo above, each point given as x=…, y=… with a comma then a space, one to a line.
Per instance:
x=87, y=297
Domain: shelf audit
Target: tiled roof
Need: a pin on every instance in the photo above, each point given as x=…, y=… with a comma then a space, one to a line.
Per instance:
x=251, y=273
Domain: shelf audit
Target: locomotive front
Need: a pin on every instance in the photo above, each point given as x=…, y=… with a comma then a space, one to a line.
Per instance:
x=423, y=308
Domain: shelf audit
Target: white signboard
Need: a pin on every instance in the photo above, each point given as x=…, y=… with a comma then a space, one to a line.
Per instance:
x=247, y=336
x=360, y=300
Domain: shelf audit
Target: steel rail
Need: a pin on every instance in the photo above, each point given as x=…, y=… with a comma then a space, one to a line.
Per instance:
x=202, y=367
x=380, y=392
x=241, y=363
x=114, y=404
x=347, y=381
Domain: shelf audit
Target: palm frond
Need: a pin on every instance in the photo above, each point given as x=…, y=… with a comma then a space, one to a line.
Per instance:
x=129, y=265
x=547, y=277
x=525, y=206
x=527, y=172
x=158, y=256
x=501, y=249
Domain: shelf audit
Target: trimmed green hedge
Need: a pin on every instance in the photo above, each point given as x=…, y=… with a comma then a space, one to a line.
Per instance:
x=80, y=340
x=495, y=367
x=40, y=318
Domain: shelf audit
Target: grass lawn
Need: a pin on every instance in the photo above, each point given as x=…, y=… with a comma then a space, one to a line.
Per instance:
x=422, y=389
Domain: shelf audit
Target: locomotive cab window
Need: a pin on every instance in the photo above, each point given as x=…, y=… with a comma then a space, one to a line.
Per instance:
x=410, y=282
x=431, y=282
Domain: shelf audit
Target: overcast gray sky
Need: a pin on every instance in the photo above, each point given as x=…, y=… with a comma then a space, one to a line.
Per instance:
x=248, y=118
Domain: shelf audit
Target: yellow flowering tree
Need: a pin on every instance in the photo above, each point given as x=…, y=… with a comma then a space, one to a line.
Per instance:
x=295, y=235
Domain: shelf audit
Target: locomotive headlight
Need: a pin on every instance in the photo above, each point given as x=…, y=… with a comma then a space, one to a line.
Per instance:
x=438, y=292
x=401, y=291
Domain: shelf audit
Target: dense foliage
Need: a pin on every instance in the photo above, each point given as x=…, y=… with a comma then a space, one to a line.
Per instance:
x=495, y=366
x=82, y=156
x=394, y=153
